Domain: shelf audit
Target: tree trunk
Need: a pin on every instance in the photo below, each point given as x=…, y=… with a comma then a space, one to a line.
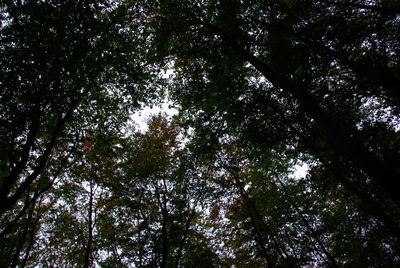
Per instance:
x=88, y=249
x=183, y=240
x=6, y=202
x=22, y=238
x=258, y=223
x=164, y=245
x=316, y=237
x=345, y=143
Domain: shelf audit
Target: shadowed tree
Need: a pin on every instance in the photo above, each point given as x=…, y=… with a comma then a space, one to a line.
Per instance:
x=59, y=60
x=284, y=71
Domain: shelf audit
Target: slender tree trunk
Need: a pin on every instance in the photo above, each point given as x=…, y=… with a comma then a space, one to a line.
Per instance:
x=184, y=237
x=32, y=234
x=11, y=179
x=164, y=245
x=258, y=223
x=37, y=195
x=22, y=238
x=164, y=233
x=140, y=243
x=88, y=249
x=29, y=248
x=20, y=244
x=315, y=236
x=7, y=202
x=162, y=202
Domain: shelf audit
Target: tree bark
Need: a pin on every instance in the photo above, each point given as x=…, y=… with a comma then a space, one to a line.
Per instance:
x=38, y=194
x=21, y=165
x=331, y=259
x=88, y=248
x=346, y=144
x=184, y=237
x=6, y=203
x=22, y=238
x=258, y=223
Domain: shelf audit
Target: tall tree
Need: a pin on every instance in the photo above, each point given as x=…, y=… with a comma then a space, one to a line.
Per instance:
x=250, y=68
x=262, y=86
x=269, y=218
x=153, y=208
x=58, y=59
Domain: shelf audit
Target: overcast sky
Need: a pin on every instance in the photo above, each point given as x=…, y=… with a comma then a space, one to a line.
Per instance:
x=140, y=117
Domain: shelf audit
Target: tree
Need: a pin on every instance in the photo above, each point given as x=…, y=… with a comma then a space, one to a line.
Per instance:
x=151, y=213
x=66, y=231
x=265, y=217
x=248, y=67
x=262, y=86
x=67, y=68
x=59, y=59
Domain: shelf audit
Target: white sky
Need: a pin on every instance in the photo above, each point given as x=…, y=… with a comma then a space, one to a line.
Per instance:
x=141, y=117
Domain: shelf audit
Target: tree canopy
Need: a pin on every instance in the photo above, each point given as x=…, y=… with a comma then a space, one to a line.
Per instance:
x=262, y=88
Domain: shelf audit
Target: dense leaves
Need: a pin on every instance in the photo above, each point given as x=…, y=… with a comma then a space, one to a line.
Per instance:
x=262, y=88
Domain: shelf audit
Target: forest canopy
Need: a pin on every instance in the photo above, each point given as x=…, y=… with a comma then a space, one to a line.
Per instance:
x=262, y=87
